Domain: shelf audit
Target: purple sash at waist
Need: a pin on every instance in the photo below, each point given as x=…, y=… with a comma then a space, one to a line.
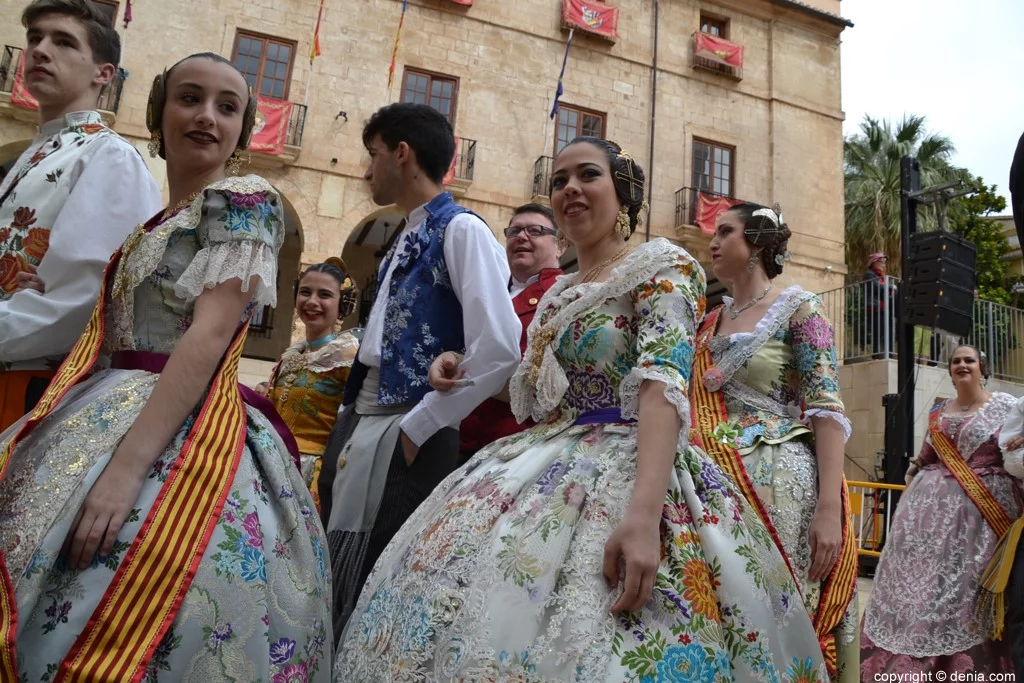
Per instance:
x=602, y=416
x=155, y=362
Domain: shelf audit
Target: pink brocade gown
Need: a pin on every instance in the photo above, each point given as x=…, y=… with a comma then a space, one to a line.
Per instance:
x=921, y=614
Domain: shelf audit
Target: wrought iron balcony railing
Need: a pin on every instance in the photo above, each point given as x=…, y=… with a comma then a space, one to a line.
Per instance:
x=542, y=177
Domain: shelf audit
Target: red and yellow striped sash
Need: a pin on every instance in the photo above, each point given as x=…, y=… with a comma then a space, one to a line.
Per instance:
x=709, y=410
x=75, y=367
x=149, y=586
x=973, y=486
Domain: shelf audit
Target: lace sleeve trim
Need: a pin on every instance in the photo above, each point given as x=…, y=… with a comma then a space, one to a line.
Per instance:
x=629, y=394
x=832, y=415
x=224, y=261
x=564, y=303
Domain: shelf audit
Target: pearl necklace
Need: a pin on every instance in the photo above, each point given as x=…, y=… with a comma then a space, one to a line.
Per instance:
x=735, y=312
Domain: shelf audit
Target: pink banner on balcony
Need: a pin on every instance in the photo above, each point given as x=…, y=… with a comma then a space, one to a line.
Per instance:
x=449, y=177
x=271, y=129
x=718, y=50
x=709, y=208
x=592, y=17
x=20, y=96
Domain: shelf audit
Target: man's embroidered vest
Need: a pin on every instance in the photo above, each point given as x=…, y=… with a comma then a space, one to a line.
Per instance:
x=423, y=317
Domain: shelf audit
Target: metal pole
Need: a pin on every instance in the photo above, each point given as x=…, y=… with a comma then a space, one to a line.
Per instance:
x=910, y=181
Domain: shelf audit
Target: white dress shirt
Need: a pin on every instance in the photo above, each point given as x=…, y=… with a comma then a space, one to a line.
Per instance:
x=103, y=191
x=516, y=287
x=479, y=273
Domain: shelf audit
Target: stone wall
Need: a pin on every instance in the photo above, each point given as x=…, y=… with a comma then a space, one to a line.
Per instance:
x=784, y=116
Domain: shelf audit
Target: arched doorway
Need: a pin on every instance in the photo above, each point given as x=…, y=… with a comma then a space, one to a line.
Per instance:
x=366, y=247
x=270, y=331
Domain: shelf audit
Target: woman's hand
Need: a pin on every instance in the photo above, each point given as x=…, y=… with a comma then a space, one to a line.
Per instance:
x=28, y=279
x=103, y=513
x=445, y=372
x=634, y=546
x=826, y=537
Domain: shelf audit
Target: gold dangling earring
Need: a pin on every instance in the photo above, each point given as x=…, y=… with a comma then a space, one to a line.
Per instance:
x=622, y=223
x=235, y=163
x=154, y=144
x=563, y=241
x=752, y=262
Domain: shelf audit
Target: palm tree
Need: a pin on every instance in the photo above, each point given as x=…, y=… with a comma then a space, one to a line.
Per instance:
x=871, y=166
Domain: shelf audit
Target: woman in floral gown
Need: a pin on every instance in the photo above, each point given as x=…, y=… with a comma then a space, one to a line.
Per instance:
x=769, y=411
x=151, y=524
x=597, y=545
x=925, y=614
x=307, y=384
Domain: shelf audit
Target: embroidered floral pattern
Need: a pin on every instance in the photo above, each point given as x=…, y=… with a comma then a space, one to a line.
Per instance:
x=497, y=576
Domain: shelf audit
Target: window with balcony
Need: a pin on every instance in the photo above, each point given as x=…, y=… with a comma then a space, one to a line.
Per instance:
x=713, y=167
x=714, y=51
x=437, y=90
x=574, y=122
x=714, y=26
x=266, y=62
x=108, y=8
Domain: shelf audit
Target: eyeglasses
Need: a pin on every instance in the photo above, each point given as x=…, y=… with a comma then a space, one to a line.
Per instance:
x=531, y=230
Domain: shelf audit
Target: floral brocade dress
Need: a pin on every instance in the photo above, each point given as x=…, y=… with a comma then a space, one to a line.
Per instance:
x=923, y=615
x=258, y=606
x=777, y=378
x=498, y=575
x=306, y=387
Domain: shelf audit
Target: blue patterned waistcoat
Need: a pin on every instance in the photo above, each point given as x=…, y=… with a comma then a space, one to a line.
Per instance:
x=423, y=317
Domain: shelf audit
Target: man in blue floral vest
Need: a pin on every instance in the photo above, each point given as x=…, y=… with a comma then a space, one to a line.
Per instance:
x=442, y=287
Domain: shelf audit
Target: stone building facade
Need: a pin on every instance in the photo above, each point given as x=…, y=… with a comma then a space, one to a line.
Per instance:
x=769, y=131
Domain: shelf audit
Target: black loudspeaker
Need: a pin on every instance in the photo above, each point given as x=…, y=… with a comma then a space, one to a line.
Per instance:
x=938, y=290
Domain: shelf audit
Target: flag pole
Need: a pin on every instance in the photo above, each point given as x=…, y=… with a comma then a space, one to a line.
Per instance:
x=558, y=92
x=314, y=52
x=394, y=50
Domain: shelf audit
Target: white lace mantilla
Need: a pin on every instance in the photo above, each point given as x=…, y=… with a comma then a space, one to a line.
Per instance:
x=985, y=424
x=732, y=352
x=338, y=353
x=731, y=357
x=570, y=301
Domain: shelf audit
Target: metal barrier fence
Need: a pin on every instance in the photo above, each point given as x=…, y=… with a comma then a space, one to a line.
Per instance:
x=873, y=506
x=866, y=320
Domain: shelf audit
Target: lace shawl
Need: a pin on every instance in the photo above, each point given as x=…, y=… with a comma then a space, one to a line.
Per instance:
x=732, y=352
x=566, y=302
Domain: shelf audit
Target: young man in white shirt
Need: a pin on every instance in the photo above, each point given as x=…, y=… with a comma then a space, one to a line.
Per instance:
x=443, y=287
x=67, y=204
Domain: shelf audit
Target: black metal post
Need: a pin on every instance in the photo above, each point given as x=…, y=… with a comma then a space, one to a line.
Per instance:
x=910, y=181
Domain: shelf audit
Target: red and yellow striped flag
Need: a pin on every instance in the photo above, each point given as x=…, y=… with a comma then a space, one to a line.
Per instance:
x=314, y=50
x=398, y=39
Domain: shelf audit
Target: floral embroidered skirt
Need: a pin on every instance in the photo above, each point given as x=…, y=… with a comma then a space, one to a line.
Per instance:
x=258, y=608
x=498, y=577
x=785, y=476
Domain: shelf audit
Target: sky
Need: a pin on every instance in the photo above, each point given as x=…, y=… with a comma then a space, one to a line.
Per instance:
x=958, y=63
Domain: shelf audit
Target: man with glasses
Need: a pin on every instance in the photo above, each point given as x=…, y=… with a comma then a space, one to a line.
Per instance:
x=531, y=244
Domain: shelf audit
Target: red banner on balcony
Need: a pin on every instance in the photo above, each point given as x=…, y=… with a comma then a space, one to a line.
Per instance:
x=271, y=130
x=20, y=96
x=718, y=50
x=468, y=3
x=592, y=17
x=709, y=208
x=449, y=177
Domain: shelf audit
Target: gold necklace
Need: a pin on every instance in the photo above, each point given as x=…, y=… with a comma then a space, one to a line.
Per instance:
x=180, y=205
x=596, y=270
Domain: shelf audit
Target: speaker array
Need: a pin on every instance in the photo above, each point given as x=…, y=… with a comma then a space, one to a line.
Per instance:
x=938, y=290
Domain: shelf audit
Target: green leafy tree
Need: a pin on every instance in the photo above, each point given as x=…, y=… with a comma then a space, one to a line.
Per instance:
x=971, y=218
x=871, y=164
